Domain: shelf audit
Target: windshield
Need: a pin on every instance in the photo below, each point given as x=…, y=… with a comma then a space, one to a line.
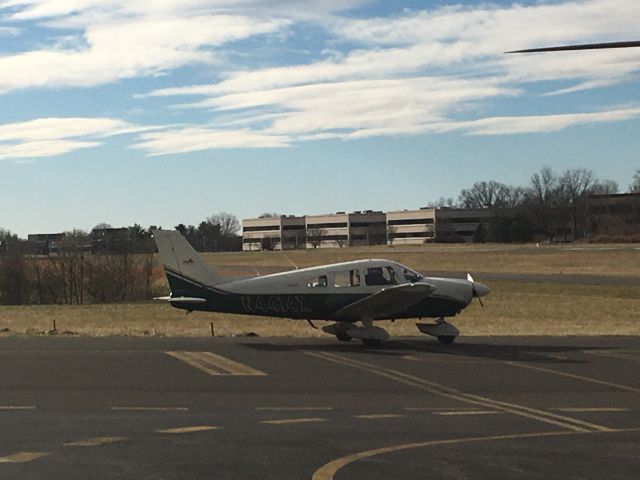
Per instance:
x=410, y=275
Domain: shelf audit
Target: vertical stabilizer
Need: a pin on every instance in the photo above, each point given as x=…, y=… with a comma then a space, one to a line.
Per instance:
x=184, y=267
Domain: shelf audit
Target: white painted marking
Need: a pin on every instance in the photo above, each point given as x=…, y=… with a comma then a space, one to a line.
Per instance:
x=293, y=409
x=379, y=416
x=17, y=407
x=287, y=421
x=150, y=409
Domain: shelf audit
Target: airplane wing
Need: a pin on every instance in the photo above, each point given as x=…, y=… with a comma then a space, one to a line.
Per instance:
x=386, y=302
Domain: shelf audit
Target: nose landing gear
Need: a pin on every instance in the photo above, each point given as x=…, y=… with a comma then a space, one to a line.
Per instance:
x=445, y=332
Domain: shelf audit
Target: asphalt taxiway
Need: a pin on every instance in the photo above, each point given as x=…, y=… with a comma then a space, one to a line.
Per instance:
x=189, y=408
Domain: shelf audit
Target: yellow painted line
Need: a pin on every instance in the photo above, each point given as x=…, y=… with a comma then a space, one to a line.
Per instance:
x=198, y=428
x=231, y=366
x=592, y=409
x=150, y=409
x=214, y=364
x=379, y=415
x=436, y=357
x=469, y=412
x=577, y=377
x=436, y=409
x=293, y=409
x=448, y=392
x=328, y=471
x=288, y=421
x=23, y=457
x=17, y=407
x=95, y=442
x=195, y=363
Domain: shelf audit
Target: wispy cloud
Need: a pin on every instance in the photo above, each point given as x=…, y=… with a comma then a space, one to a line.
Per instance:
x=194, y=139
x=107, y=52
x=48, y=137
x=421, y=71
x=536, y=123
x=428, y=71
x=9, y=31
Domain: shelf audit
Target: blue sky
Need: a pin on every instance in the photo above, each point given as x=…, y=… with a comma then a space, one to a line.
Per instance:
x=120, y=112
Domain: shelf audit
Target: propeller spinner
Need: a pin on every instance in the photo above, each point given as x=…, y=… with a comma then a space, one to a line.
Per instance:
x=479, y=289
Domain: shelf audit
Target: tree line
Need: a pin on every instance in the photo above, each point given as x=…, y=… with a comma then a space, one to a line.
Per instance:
x=106, y=265
x=552, y=205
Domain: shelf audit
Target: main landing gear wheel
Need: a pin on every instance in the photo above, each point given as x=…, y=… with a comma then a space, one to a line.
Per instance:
x=343, y=337
x=446, y=339
x=371, y=342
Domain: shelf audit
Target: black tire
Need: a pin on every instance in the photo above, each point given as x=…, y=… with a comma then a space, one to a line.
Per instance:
x=446, y=339
x=343, y=337
x=371, y=342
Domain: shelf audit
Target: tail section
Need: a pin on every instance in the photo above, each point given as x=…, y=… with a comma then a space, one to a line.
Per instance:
x=185, y=268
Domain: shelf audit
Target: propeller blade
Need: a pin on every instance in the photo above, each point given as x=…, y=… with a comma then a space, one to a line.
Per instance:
x=586, y=46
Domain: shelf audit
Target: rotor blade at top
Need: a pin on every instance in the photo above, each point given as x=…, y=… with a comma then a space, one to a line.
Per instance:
x=586, y=46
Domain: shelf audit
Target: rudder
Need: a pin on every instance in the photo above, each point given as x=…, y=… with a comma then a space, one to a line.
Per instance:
x=184, y=267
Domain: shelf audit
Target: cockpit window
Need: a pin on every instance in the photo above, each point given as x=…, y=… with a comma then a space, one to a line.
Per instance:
x=380, y=276
x=410, y=275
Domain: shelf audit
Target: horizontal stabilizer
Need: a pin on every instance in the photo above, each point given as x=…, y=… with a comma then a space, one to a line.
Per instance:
x=386, y=303
x=182, y=299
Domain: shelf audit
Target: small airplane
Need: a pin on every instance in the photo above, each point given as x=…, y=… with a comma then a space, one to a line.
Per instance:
x=346, y=293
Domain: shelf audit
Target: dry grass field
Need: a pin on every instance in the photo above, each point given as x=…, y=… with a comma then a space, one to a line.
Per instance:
x=512, y=308
x=587, y=259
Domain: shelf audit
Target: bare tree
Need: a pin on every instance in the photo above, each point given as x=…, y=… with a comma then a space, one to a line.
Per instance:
x=228, y=223
x=14, y=278
x=634, y=187
x=443, y=202
x=102, y=226
x=486, y=195
x=315, y=236
x=542, y=202
x=604, y=187
x=391, y=233
x=67, y=267
x=573, y=187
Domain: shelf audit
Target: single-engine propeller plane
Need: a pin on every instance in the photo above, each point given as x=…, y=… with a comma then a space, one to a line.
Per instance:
x=346, y=293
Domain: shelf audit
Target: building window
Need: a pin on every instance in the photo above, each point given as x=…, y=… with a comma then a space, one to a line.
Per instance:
x=411, y=221
x=327, y=225
x=265, y=228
